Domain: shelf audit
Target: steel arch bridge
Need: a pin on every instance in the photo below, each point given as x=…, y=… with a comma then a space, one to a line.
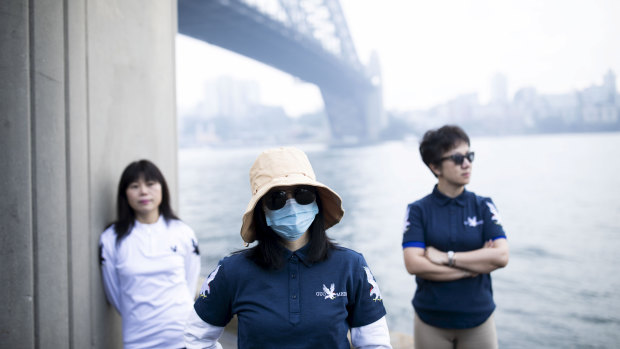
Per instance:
x=308, y=39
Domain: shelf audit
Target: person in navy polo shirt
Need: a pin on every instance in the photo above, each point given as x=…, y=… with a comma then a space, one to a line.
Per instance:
x=295, y=288
x=453, y=239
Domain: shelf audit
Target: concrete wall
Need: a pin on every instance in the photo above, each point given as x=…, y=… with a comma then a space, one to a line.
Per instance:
x=86, y=86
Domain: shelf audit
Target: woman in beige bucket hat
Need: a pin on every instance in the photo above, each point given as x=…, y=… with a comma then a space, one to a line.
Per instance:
x=295, y=288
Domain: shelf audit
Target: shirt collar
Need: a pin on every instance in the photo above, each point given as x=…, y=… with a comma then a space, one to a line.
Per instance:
x=301, y=254
x=444, y=200
x=138, y=224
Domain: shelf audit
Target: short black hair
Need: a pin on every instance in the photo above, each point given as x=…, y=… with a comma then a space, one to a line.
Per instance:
x=438, y=141
x=268, y=253
x=125, y=215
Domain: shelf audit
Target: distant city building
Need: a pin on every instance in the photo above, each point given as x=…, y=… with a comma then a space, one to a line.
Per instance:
x=499, y=89
x=595, y=108
x=233, y=97
x=599, y=104
x=231, y=114
x=229, y=97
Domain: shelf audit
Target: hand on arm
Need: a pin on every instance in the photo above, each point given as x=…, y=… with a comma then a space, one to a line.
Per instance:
x=419, y=264
x=436, y=256
x=493, y=255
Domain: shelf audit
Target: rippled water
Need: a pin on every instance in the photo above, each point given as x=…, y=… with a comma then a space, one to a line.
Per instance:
x=558, y=196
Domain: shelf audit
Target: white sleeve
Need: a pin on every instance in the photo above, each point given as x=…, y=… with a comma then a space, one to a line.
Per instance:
x=200, y=334
x=192, y=264
x=375, y=335
x=111, y=283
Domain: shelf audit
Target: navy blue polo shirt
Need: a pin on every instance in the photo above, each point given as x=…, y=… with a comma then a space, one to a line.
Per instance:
x=456, y=224
x=302, y=305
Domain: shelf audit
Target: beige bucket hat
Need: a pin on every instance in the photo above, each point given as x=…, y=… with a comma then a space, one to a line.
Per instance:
x=286, y=166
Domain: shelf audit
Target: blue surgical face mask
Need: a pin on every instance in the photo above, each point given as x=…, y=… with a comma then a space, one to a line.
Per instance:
x=291, y=221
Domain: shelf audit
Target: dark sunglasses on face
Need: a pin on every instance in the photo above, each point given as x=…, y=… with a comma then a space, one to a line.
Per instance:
x=275, y=199
x=459, y=158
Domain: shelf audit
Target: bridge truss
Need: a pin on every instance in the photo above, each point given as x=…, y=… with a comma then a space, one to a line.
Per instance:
x=308, y=39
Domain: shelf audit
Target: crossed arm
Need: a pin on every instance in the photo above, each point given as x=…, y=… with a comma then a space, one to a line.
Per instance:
x=432, y=264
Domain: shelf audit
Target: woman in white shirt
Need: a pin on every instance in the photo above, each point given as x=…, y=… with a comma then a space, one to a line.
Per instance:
x=150, y=261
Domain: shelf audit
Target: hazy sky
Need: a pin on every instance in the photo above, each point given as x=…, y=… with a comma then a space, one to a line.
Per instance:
x=432, y=51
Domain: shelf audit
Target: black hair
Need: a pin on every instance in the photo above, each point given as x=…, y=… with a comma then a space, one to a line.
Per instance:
x=438, y=141
x=268, y=253
x=125, y=215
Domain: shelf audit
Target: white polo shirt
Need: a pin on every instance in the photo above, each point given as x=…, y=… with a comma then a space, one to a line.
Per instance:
x=150, y=278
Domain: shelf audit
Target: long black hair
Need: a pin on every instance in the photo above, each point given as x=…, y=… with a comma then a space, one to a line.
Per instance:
x=125, y=215
x=268, y=253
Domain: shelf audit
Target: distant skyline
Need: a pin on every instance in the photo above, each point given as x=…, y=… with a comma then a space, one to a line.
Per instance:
x=433, y=51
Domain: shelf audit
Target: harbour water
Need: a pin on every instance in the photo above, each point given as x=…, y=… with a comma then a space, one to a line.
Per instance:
x=557, y=195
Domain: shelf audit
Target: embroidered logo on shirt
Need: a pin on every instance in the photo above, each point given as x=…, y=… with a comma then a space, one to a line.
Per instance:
x=196, y=250
x=174, y=248
x=473, y=222
x=206, y=289
x=495, y=214
x=374, y=287
x=101, y=259
x=329, y=293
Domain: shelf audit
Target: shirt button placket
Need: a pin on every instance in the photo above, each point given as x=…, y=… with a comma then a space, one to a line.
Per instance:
x=454, y=226
x=293, y=290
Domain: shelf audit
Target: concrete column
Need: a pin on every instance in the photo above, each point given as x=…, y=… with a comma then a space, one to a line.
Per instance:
x=131, y=114
x=49, y=186
x=16, y=221
x=86, y=86
x=80, y=246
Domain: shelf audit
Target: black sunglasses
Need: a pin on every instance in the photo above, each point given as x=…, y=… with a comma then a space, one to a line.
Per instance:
x=459, y=158
x=275, y=199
